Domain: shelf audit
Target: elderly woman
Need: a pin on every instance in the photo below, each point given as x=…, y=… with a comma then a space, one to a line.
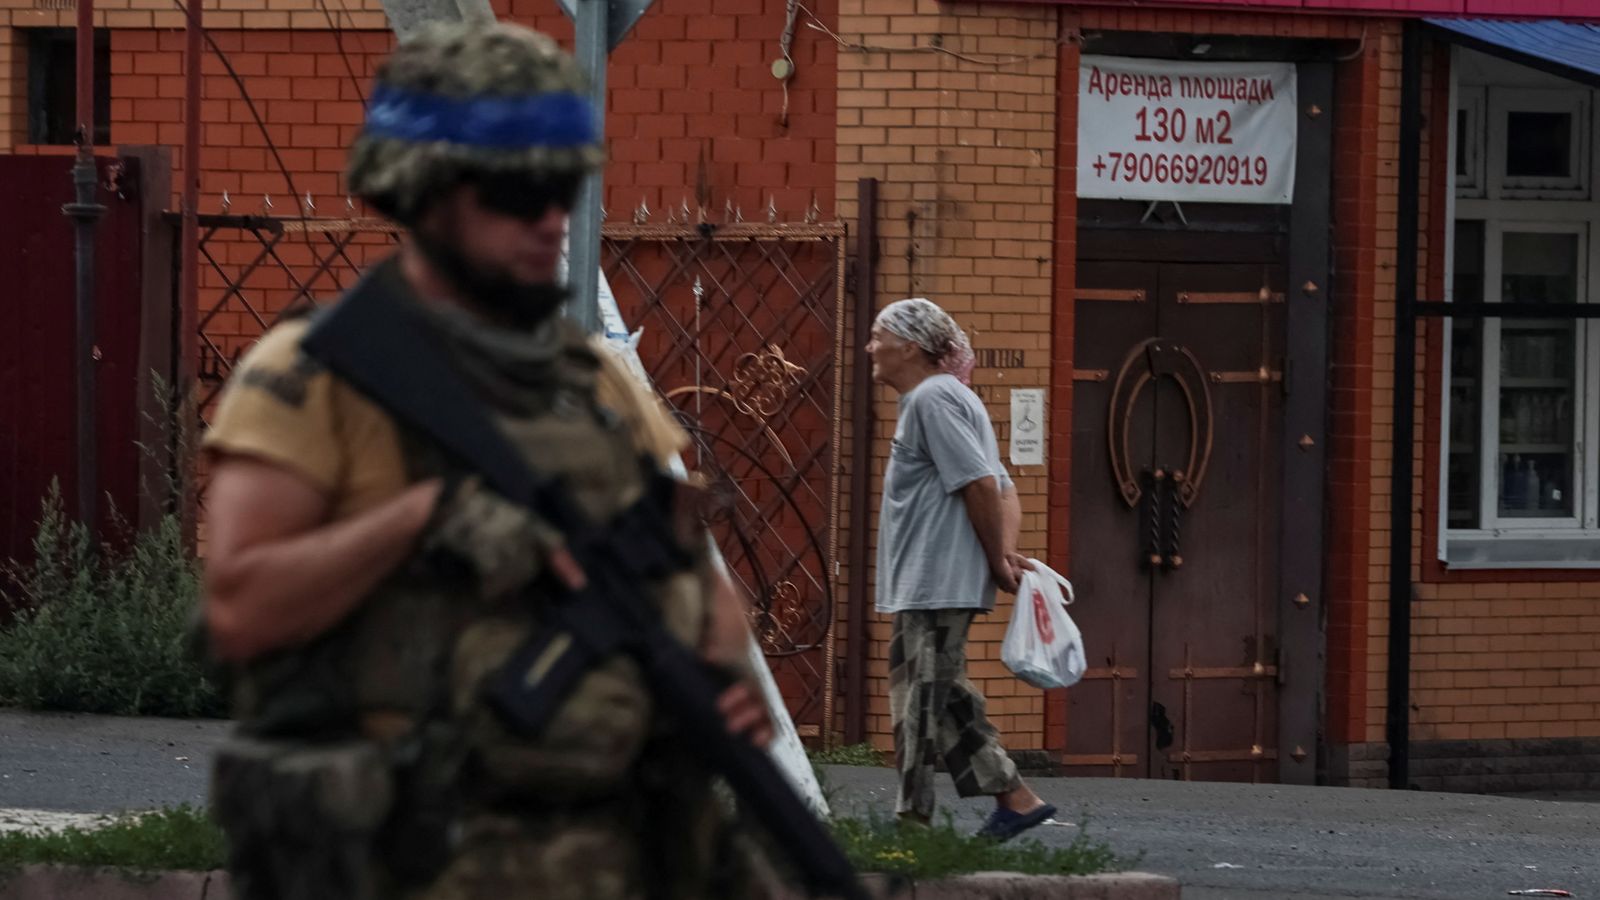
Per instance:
x=947, y=533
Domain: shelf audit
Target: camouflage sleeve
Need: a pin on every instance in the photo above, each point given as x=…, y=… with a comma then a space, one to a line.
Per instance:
x=278, y=407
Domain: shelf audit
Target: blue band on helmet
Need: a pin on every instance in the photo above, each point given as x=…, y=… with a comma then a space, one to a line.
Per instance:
x=562, y=120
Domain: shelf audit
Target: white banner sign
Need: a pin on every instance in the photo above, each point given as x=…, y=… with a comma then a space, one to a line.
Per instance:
x=1027, y=426
x=1187, y=131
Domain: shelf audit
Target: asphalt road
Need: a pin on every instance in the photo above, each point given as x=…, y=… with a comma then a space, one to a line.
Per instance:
x=73, y=763
x=1224, y=842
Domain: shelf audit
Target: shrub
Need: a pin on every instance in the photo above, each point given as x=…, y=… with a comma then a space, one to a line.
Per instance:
x=105, y=628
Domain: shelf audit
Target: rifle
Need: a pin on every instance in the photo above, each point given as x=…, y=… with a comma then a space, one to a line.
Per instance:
x=373, y=341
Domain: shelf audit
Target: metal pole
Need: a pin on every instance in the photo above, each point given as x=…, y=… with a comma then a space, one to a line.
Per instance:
x=189, y=230
x=84, y=211
x=1405, y=355
x=583, y=239
x=861, y=425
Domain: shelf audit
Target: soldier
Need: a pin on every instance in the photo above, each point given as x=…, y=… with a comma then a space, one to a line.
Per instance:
x=360, y=588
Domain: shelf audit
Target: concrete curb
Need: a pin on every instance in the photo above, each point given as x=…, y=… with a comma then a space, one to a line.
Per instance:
x=1011, y=886
x=71, y=883
x=75, y=883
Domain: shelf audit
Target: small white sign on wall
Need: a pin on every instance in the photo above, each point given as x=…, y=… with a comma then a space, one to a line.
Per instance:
x=1027, y=426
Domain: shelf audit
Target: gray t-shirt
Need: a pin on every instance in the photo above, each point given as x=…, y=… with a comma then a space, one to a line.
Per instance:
x=929, y=556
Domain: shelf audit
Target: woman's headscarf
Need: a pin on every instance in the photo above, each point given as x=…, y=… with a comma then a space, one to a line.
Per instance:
x=923, y=323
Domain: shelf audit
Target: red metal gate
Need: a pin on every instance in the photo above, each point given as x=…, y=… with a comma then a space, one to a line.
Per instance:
x=743, y=325
x=38, y=435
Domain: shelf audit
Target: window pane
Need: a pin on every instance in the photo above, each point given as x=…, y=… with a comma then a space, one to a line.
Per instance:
x=1539, y=144
x=1466, y=387
x=52, y=86
x=1461, y=143
x=1538, y=367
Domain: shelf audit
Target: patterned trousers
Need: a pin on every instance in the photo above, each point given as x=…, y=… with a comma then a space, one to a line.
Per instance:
x=938, y=712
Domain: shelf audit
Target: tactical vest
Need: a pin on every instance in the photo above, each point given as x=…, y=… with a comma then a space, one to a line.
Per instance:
x=399, y=681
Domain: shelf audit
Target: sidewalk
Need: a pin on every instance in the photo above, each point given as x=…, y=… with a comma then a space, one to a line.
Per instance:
x=1303, y=843
x=1288, y=843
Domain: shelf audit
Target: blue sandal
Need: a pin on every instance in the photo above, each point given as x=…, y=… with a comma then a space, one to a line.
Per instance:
x=1003, y=824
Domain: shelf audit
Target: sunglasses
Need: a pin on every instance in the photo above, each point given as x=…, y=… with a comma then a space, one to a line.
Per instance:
x=525, y=198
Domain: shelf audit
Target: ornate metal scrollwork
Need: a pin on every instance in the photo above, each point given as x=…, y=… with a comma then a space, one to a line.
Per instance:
x=1152, y=359
x=762, y=381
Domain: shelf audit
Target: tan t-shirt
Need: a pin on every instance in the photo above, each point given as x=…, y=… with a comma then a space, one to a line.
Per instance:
x=284, y=408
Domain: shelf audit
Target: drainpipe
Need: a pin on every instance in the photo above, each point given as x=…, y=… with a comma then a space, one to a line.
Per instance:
x=85, y=212
x=861, y=425
x=1405, y=355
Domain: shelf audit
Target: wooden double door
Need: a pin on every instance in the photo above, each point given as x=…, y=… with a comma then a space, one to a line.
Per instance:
x=1178, y=445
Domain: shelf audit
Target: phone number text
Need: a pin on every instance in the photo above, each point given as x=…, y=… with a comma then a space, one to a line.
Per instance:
x=1182, y=168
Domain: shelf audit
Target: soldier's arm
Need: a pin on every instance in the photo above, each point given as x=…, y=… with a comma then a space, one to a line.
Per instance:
x=277, y=572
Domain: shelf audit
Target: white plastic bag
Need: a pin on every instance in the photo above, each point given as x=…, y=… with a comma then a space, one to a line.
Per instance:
x=1043, y=646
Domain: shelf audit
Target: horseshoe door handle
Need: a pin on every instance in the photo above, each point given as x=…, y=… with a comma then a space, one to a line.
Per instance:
x=1152, y=359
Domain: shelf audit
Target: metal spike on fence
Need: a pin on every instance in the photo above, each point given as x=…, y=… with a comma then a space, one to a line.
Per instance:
x=772, y=209
x=310, y=205
x=603, y=214
x=700, y=215
x=813, y=212
x=642, y=214
x=684, y=211
x=727, y=211
x=350, y=206
x=266, y=205
x=227, y=203
x=738, y=215
x=672, y=217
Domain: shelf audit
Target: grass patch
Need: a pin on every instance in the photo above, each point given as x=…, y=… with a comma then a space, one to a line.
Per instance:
x=852, y=755
x=882, y=845
x=185, y=838
x=180, y=838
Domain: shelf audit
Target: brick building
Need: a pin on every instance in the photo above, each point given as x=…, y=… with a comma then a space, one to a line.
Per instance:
x=1185, y=223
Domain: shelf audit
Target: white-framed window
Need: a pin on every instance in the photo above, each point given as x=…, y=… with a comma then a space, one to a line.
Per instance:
x=1538, y=143
x=1521, y=442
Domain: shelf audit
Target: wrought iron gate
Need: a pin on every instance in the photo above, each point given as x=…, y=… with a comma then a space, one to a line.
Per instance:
x=740, y=330
x=743, y=325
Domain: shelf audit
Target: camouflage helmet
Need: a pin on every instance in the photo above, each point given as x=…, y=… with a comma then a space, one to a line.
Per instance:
x=459, y=100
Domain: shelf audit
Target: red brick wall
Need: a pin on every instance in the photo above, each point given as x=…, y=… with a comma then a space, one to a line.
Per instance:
x=692, y=78
x=693, y=108
x=961, y=139
x=1350, y=412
